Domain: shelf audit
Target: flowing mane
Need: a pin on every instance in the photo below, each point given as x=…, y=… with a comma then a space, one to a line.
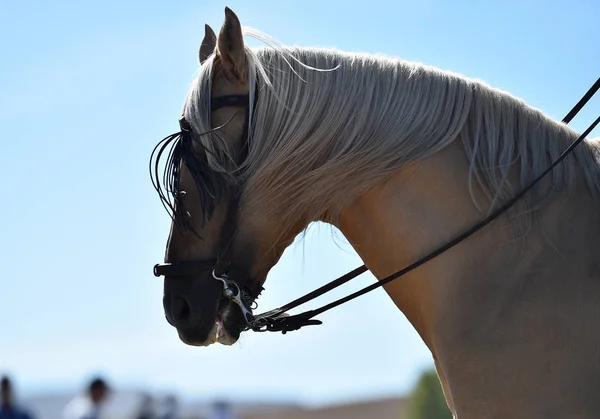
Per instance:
x=323, y=114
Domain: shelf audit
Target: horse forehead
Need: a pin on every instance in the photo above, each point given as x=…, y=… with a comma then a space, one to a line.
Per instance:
x=223, y=85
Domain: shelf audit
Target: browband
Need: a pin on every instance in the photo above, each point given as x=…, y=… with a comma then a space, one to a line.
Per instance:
x=231, y=100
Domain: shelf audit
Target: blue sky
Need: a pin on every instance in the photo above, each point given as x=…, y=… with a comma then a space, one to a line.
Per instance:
x=88, y=88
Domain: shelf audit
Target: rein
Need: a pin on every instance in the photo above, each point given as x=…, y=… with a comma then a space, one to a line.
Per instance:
x=278, y=320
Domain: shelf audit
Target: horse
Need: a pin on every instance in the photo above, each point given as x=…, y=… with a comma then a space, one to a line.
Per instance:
x=400, y=157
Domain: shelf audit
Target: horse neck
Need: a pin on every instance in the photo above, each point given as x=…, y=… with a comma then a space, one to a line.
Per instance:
x=414, y=211
x=469, y=297
x=428, y=203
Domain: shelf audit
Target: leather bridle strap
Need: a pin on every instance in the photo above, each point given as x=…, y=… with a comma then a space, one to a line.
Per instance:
x=588, y=95
x=224, y=256
x=224, y=266
x=183, y=268
x=276, y=320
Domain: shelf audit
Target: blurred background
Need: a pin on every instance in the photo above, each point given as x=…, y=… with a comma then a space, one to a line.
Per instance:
x=87, y=88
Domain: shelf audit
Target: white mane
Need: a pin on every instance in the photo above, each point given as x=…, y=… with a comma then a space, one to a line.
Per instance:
x=321, y=138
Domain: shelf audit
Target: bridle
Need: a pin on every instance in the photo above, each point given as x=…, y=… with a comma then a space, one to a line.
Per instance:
x=240, y=289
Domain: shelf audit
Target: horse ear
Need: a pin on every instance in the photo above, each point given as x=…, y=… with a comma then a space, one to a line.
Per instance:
x=230, y=46
x=209, y=43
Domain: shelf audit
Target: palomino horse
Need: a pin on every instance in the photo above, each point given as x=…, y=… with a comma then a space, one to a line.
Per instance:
x=401, y=158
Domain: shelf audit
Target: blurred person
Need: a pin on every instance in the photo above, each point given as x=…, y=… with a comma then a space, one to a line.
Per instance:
x=171, y=410
x=8, y=406
x=146, y=408
x=222, y=410
x=89, y=406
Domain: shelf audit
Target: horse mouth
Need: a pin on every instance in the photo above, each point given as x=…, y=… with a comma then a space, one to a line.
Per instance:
x=230, y=322
x=226, y=328
x=223, y=336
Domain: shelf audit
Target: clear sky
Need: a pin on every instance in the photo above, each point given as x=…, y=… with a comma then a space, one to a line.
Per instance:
x=87, y=88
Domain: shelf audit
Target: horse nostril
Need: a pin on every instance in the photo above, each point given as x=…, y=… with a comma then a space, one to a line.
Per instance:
x=180, y=311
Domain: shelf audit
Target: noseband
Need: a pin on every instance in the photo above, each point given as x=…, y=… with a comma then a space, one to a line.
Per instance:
x=239, y=288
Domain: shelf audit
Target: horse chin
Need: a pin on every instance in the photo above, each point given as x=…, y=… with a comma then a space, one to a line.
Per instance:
x=218, y=334
x=224, y=337
x=188, y=340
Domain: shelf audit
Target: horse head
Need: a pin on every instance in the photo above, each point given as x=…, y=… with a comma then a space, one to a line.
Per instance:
x=214, y=270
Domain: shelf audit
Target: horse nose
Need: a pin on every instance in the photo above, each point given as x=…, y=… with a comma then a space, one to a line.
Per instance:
x=193, y=326
x=191, y=305
x=181, y=311
x=178, y=311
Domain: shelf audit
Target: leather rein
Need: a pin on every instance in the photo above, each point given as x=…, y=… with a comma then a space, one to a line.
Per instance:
x=243, y=290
